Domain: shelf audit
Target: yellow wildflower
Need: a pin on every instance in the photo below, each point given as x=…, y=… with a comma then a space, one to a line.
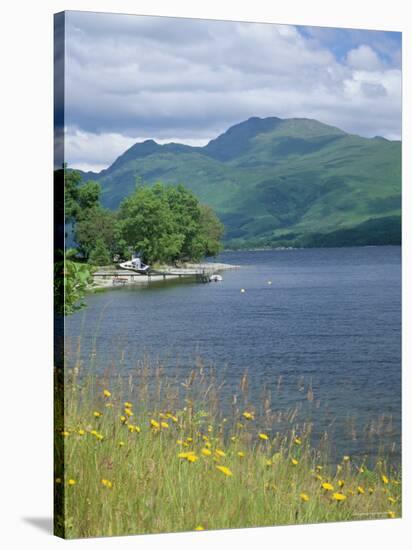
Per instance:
x=123, y=419
x=298, y=441
x=224, y=470
x=128, y=411
x=219, y=452
x=327, y=486
x=304, y=497
x=346, y=458
x=155, y=424
x=341, y=483
x=361, y=490
x=371, y=491
x=206, y=452
x=319, y=468
x=392, y=500
x=130, y=428
x=65, y=433
x=339, y=496
x=385, y=479
x=189, y=439
x=121, y=443
x=294, y=461
x=391, y=514
x=248, y=415
x=128, y=405
x=199, y=528
x=72, y=482
x=361, y=470
x=268, y=462
x=192, y=458
x=318, y=477
x=164, y=424
x=106, y=393
x=240, y=454
x=81, y=432
x=263, y=436
x=107, y=483
x=97, y=414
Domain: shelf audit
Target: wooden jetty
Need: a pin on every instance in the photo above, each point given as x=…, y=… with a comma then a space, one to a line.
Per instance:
x=124, y=276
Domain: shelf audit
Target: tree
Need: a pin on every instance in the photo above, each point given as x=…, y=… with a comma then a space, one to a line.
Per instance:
x=71, y=280
x=96, y=224
x=78, y=197
x=211, y=230
x=100, y=254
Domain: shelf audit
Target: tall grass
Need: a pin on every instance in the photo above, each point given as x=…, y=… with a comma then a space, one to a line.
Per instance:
x=150, y=454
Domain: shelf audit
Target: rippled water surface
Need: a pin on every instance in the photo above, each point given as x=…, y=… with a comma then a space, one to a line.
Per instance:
x=329, y=320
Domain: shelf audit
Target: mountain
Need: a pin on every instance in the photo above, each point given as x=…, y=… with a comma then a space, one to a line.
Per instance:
x=278, y=182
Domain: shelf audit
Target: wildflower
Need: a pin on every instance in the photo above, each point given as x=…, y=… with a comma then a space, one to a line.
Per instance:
x=199, y=528
x=72, y=482
x=109, y=405
x=361, y=490
x=318, y=477
x=338, y=468
x=265, y=437
x=224, y=470
x=210, y=429
x=346, y=458
x=189, y=439
x=130, y=428
x=99, y=437
x=172, y=417
x=319, y=468
x=128, y=405
x=155, y=424
x=128, y=411
x=268, y=462
x=298, y=441
x=123, y=419
x=327, y=486
x=107, y=483
x=164, y=425
x=206, y=452
x=81, y=432
x=240, y=454
x=385, y=479
x=219, y=452
x=137, y=429
x=65, y=433
x=248, y=415
x=106, y=393
x=205, y=438
x=179, y=442
x=121, y=443
x=233, y=438
x=361, y=470
x=391, y=514
x=341, y=483
x=294, y=461
x=339, y=497
x=97, y=414
x=392, y=500
x=304, y=497
x=371, y=491
x=192, y=458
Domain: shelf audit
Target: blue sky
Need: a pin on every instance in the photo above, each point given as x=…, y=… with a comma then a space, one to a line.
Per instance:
x=130, y=78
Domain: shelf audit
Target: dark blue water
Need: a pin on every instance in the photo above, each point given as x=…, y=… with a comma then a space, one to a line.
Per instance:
x=330, y=320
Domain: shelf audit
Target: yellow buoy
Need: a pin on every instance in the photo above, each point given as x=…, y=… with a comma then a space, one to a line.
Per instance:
x=242, y=290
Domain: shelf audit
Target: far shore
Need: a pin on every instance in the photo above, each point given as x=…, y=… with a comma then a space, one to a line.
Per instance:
x=113, y=277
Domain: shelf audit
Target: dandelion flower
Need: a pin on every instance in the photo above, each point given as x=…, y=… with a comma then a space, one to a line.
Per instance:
x=341, y=483
x=128, y=405
x=224, y=470
x=128, y=411
x=121, y=444
x=154, y=424
x=106, y=393
x=361, y=490
x=206, y=452
x=130, y=428
x=327, y=486
x=107, y=483
x=65, y=433
x=199, y=528
x=72, y=482
x=391, y=514
x=268, y=462
x=240, y=454
x=346, y=458
x=263, y=436
x=219, y=452
x=304, y=497
x=298, y=441
x=339, y=497
x=248, y=415
x=123, y=419
x=392, y=500
x=385, y=479
x=164, y=425
x=192, y=458
x=97, y=414
x=294, y=461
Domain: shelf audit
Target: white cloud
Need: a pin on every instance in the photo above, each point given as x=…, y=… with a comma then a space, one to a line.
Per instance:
x=364, y=57
x=131, y=78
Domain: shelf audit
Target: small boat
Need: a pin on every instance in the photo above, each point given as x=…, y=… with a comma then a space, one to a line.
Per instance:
x=215, y=278
x=136, y=264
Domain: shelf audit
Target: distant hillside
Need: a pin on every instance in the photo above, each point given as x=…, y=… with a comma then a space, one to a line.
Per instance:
x=278, y=182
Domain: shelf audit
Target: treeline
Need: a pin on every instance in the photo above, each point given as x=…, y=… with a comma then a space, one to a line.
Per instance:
x=165, y=223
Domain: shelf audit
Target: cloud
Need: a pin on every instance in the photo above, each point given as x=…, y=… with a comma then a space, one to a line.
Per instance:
x=364, y=57
x=188, y=80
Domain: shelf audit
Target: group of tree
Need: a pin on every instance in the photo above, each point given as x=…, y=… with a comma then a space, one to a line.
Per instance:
x=165, y=223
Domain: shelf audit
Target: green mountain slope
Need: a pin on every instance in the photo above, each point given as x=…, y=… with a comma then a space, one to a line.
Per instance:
x=278, y=182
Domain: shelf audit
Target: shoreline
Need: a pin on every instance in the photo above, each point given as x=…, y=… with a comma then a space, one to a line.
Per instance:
x=114, y=278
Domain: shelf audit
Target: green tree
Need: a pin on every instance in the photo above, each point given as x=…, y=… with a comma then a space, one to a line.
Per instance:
x=96, y=224
x=211, y=231
x=100, y=254
x=78, y=197
x=71, y=280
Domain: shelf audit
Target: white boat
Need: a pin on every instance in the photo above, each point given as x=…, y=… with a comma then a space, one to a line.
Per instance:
x=215, y=278
x=136, y=264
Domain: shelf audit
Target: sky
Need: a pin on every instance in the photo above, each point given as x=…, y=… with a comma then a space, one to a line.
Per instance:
x=129, y=78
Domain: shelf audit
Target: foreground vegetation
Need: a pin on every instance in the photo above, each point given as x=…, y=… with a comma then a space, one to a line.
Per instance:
x=167, y=460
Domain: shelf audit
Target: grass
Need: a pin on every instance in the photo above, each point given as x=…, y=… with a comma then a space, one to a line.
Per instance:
x=168, y=461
